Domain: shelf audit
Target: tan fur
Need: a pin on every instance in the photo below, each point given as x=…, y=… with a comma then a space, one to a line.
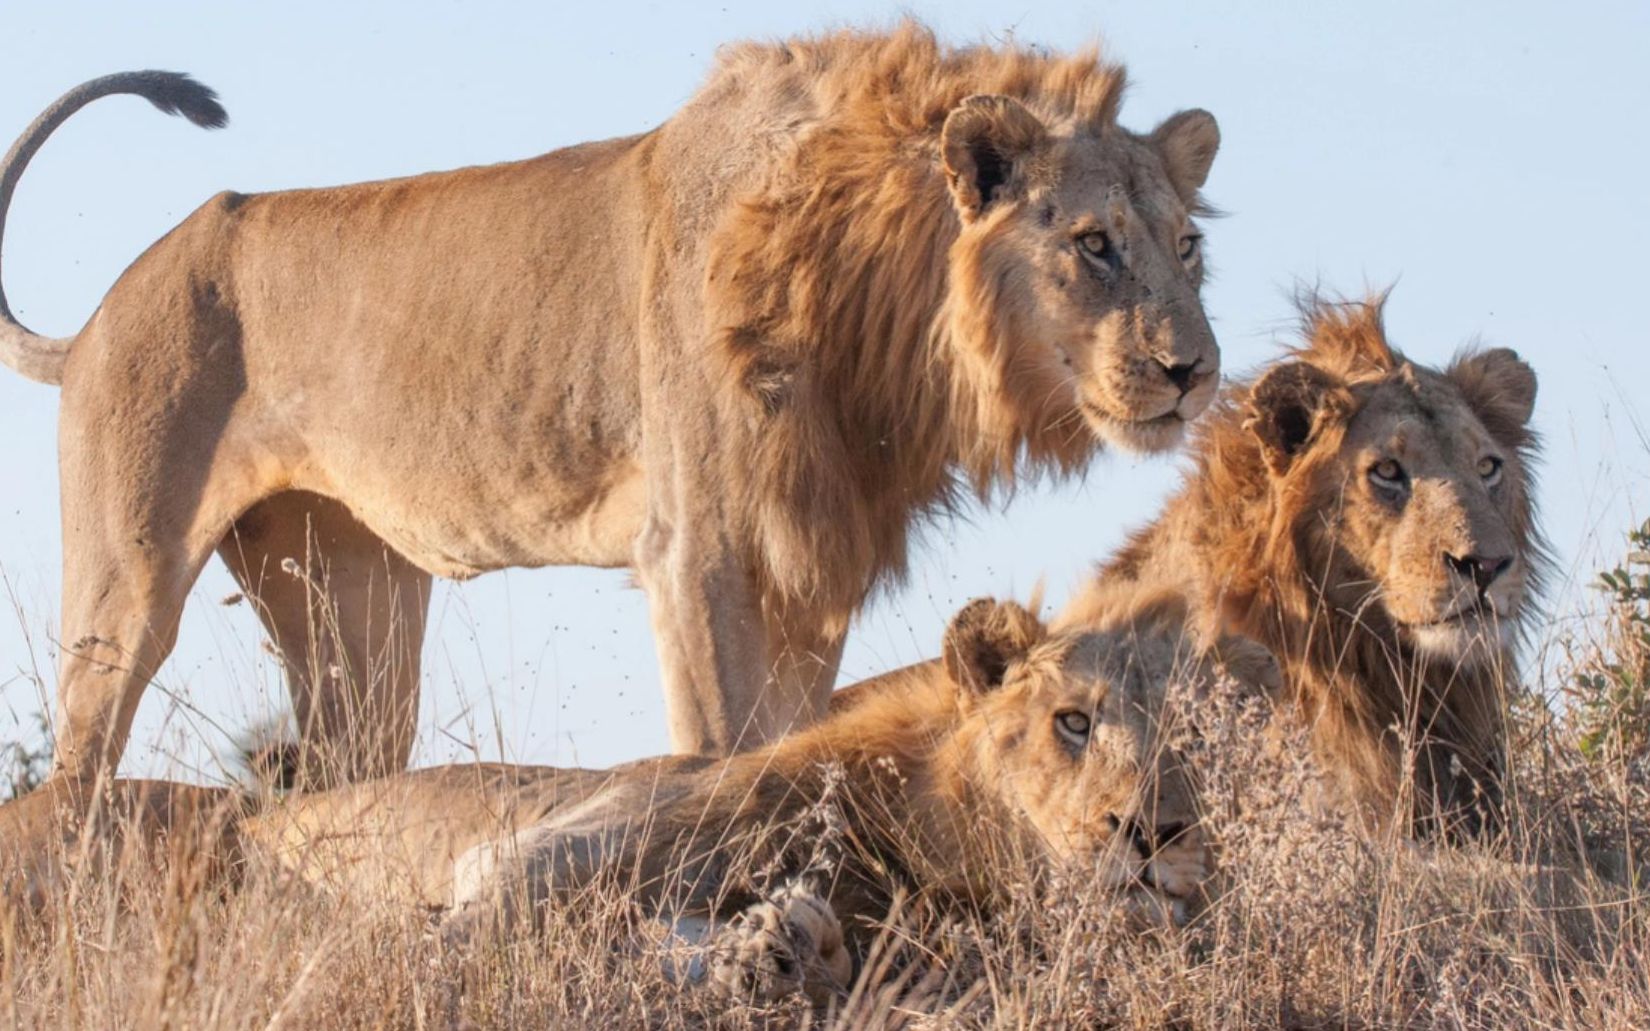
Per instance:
x=741, y=353
x=941, y=778
x=60, y=828
x=1280, y=533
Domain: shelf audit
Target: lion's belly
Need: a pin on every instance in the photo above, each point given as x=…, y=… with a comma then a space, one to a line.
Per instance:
x=396, y=838
x=463, y=531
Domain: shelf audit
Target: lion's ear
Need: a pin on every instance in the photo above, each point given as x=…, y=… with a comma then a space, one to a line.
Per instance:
x=1188, y=141
x=984, y=144
x=1500, y=387
x=1287, y=408
x=985, y=639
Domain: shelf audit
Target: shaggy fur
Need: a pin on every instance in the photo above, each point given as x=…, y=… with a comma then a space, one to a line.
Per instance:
x=742, y=353
x=886, y=371
x=1283, y=532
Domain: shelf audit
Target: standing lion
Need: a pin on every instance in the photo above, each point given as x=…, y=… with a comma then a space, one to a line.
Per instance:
x=741, y=353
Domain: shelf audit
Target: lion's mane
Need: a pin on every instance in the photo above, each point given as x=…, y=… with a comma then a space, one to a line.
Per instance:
x=830, y=288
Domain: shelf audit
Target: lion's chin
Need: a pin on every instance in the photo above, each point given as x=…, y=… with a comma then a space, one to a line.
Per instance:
x=1139, y=436
x=1467, y=640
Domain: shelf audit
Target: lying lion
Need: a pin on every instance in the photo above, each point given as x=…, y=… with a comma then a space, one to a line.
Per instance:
x=1020, y=744
x=1371, y=520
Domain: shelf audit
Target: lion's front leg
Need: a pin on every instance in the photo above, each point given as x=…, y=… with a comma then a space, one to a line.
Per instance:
x=736, y=676
x=790, y=942
x=708, y=628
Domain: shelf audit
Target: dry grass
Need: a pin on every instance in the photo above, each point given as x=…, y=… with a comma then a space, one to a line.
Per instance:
x=1311, y=925
x=1311, y=922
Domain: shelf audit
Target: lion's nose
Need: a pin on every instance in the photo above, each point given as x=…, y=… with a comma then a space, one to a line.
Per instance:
x=1482, y=569
x=1184, y=375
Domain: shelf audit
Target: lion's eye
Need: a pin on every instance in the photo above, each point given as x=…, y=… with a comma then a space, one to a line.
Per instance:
x=1074, y=724
x=1096, y=244
x=1387, y=473
x=1189, y=246
x=1489, y=468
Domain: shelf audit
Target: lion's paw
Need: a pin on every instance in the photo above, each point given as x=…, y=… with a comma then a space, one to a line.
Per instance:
x=791, y=942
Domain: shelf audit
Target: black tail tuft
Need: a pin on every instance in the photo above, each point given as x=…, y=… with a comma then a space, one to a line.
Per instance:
x=177, y=94
x=40, y=358
x=270, y=756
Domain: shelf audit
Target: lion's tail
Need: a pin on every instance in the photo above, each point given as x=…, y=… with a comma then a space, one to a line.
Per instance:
x=269, y=757
x=41, y=358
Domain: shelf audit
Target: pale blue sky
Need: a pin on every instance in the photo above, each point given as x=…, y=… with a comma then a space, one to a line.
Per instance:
x=1490, y=158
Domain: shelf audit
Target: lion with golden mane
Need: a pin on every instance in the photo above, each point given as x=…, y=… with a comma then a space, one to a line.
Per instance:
x=1371, y=521
x=1020, y=751
x=741, y=353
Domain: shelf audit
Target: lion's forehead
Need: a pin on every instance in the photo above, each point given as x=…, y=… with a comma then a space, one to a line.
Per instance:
x=1421, y=421
x=1090, y=167
x=1114, y=674
x=1426, y=424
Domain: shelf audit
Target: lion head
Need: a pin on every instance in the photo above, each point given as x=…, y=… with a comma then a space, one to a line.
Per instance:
x=1075, y=277
x=1062, y=736
x=1407, y=487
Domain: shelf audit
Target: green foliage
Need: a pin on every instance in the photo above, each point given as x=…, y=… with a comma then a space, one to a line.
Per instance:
x=1611, y=689
x=23, y=766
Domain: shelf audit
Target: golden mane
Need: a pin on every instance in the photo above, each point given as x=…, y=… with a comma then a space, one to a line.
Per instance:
x=1260, y=554
x=839, y=326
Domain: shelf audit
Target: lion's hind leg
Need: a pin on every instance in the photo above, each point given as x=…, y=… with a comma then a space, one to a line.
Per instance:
x=500, y=887
x=141, y=516
x=134, y=835
x=347, y=615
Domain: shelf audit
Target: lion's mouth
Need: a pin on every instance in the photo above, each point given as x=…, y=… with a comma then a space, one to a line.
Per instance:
x=1138, y=875
x=1151, y=434
x=1459, y=618
x=1147, y=878
x=1472, y=616
x=1462, y=632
